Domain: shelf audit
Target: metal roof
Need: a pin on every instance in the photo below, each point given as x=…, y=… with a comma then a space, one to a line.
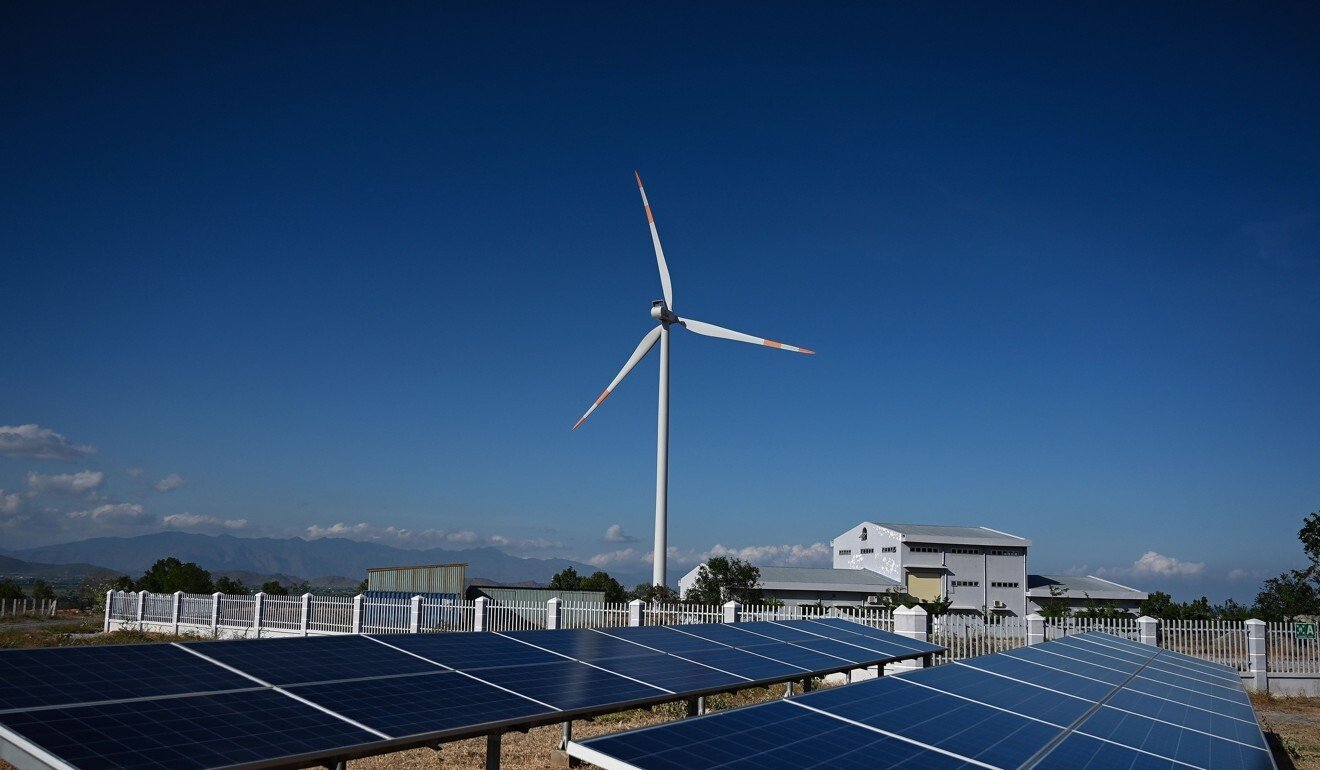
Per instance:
x=825, y=579
x=939, y=533
x=1079, y=587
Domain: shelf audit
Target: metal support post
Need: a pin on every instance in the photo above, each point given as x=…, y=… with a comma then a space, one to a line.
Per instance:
x=493, y=751
x=701, y=705
x=567, y=735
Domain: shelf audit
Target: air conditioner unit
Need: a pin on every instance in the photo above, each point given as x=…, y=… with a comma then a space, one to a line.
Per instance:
x=1000, y=605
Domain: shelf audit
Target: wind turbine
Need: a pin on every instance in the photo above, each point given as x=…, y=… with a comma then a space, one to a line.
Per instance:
x=663, y=312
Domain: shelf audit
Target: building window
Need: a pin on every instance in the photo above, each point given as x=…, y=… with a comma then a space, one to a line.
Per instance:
x=868, y=550
x=974, y=551
x=889, y=549
x=1005, y=553
x=923, y=549
x=966, y=583
x=863, y=534
x=1005, y=585
x=845, y=552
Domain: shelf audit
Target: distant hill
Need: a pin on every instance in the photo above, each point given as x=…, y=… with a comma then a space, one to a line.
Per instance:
x=16, y=568
x=296, y=557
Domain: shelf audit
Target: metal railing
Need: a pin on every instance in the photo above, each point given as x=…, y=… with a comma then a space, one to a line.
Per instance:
x=30, y=607
x=1059, y=628
x=331, y=615
x=682, y=614
x=593, y=615
x=967, y=636
x=237, y=611
x=516, y=616
x=1285, y=652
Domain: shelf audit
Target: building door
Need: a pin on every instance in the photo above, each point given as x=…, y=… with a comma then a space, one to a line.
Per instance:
x=924, y=584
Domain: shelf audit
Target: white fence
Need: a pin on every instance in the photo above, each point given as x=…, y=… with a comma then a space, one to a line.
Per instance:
x=37, y=608
x=1226, y=642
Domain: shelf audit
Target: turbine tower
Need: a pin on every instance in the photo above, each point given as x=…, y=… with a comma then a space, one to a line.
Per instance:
x=663, y=312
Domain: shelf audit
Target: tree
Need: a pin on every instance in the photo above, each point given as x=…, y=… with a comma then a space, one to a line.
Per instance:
x=655, y=594
x=227, y=585
x=566, y=579
x=41, y=591
x=1157, y=604
x=601, y=581
x=1056, y=607
x=273, y=588
x=1309, y=534
x=723, y=579
x=10, y=590
x=1290, y=594
x=1105, y=611
x=362, y=587
x=123, y=583
x=169, y=575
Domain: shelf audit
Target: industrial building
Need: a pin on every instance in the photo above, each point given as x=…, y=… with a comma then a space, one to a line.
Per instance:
x=980, y=569
x=1082, y=593
x=815, y=586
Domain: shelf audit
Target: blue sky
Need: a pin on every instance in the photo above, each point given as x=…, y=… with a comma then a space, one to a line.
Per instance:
x=286, y=268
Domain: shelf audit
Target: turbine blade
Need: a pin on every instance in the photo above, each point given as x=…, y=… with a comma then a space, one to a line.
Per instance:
x=711, y=330
x=643, y=348
x=659, y=252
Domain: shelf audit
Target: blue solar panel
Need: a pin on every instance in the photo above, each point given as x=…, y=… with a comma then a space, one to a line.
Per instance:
x=845, y=650
x=469, y=651
x=744, y=663
x=68, y=675
x=580, y=644
x=1012, y=709
x=775, y=735
x=1025, y=699
x=799, y=656
x=724, y=634
x=936, y=719
x=1164, y=664
x=1235, y=694
x=569, y=685
x=864, y=630
x=1082, y=752
x=1098, y=647
x=312, y=659
x=884, y=647
x=187, y=733
x=671, y=673
x=780, y=632
x=664, y=639
x=1060, y=681
x=422, y=703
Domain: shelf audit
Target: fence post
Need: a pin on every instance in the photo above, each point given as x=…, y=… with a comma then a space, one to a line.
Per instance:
x=176, y=610
x=109, y=599
x=732, y=611
x=142, y=605
x=914, y=623
x=415, y=621
x=636, y=608
x=1258, y=655
x=1148, y=630
x=258, y=604
x=215, y=612
x=306, y=612
x=479, y=613
x=357, y=613
x=1035, y=629
x=554, y=613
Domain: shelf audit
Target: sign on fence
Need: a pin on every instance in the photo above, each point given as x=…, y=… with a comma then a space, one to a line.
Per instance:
x=1303, y=631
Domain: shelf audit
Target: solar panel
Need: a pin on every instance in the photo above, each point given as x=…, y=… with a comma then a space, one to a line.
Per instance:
x=68, y=675
x=174, y=705
x=312, y=659
x=861, y=629
x=457, y=650
x=183, y=733
x=422, y=703
x=1062, y=704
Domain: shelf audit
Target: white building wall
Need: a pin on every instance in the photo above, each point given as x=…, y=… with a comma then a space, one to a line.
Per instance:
x=868, y=546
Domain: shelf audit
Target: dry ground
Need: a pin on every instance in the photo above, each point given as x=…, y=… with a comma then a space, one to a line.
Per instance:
x=1292, y=727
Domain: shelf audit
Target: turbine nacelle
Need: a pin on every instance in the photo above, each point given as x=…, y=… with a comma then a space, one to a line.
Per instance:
x=661, y=312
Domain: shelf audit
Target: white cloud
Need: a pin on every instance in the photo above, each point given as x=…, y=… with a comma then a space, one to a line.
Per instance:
x=814, y=555
x=170, y=483
x=1153, y=564
x=626, y=556
x=615, y=534
x=1239, y=575
x=187, y=520
x=116, y=513
x=428, y=538
x=33, y=442
x=10, y=503
x=135, y=473
x=83, y=484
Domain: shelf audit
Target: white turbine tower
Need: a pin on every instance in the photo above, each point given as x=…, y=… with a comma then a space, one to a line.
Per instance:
x=663, y=311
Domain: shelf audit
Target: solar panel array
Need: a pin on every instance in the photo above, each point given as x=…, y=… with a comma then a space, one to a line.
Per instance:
x=284, y=702
x=1087, y=701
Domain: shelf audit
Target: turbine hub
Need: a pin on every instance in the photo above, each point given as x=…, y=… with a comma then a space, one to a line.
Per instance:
x=661, y=312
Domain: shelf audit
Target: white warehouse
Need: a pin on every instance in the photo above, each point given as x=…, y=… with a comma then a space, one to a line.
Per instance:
x=978, y=568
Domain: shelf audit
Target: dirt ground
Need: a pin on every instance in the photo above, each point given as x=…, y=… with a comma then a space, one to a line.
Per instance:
x=1292, y=728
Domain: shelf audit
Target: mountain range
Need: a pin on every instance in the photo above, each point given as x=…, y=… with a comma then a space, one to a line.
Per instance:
x=307, y=559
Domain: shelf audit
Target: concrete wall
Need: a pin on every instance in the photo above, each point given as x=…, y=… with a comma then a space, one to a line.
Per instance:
x=848, y=549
